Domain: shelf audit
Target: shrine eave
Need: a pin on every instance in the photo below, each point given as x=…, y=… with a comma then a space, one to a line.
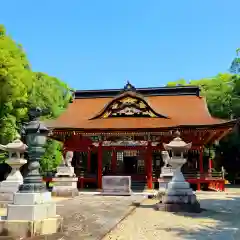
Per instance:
x=224, y=125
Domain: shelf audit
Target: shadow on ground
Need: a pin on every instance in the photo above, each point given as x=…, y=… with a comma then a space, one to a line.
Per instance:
x=219, y=220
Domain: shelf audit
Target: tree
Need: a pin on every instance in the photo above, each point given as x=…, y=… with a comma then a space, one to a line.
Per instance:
x=235, y=65
x=222, y=93
x=21, y=89
x=49, y=93
x=180, y=82
x=14, y=82
x=52, y=157
x=217, y=91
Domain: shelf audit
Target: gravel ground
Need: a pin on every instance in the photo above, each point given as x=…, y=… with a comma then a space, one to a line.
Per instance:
x=90, y=217
x=220, y=221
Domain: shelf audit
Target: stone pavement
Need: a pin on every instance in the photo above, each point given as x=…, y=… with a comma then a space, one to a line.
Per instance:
x=220, y=221
x=90, y=217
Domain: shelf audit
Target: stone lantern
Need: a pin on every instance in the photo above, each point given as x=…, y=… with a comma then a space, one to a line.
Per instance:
x=178, y=196
x=33, y=204
x=15, y=160
x=36, y=136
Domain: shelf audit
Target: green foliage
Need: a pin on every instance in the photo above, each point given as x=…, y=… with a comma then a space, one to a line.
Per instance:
x=180, y=82
x=219, y=93
x=235, y=65
x=21, y=88
x=52, y=157
x=14, y=82
x=2, y=157
x=49, y=92
x=222, y=94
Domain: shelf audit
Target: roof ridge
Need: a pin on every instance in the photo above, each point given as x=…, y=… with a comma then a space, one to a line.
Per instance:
x=150, y=91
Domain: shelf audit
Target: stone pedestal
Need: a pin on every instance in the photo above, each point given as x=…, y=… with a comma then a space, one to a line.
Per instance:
x=165, y=177
x=65, y=187
x=178, y=196
x=31, y=214
x=116, y=185
x=65, y=182
x=65, y=171
x=31, y=206
x=13, y=181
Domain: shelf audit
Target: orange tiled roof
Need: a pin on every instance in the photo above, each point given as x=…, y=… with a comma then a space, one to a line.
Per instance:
x=180, y=109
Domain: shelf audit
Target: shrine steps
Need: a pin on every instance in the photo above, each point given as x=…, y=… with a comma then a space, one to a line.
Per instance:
x=139, y=186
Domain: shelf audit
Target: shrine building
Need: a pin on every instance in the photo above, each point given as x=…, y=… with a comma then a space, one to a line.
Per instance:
x=122, y=131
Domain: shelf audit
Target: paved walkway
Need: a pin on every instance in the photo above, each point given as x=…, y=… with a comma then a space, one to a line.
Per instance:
x=221, y=221
x=89, y=217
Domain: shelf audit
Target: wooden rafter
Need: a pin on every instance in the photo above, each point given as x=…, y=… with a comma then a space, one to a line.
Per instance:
x=197, y=137
x=223, y=134
x=210, y=137
x=203, y=136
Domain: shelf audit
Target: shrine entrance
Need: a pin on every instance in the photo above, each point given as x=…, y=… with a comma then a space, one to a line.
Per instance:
x=130, y=165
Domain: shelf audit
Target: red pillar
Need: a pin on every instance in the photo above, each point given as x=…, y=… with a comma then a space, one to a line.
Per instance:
x=114, y=161
x=100, y=165
x=89, y=160
x=149, y=166
x=201, y=160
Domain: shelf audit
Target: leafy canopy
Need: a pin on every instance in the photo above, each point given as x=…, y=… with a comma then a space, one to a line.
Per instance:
x=21, y=89
x=222, y=93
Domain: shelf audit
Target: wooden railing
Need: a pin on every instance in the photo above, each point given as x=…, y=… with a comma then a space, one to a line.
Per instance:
x=207, y=176
x=198, y=175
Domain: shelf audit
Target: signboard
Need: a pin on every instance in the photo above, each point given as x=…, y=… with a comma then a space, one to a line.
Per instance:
x=116, y=185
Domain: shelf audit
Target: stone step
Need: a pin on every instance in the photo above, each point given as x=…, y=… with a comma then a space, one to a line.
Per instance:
x=137, y=185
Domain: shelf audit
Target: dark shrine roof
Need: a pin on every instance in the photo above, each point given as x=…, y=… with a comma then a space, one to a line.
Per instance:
x=150, y=91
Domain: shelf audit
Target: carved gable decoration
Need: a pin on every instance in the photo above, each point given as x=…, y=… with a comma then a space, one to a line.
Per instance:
x=128, y=105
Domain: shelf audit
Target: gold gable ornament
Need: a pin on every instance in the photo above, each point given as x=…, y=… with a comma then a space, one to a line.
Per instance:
x=128, y=100
x=142, y=105
x=106, y=114
x=128, y=104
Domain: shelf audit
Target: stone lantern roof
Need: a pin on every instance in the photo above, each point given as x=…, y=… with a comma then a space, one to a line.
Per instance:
x=177, y=144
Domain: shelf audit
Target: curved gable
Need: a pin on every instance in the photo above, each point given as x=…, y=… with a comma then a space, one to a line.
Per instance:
x=128, y=104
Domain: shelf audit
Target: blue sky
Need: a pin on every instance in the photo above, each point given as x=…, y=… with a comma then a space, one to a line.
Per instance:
x=92, y=44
